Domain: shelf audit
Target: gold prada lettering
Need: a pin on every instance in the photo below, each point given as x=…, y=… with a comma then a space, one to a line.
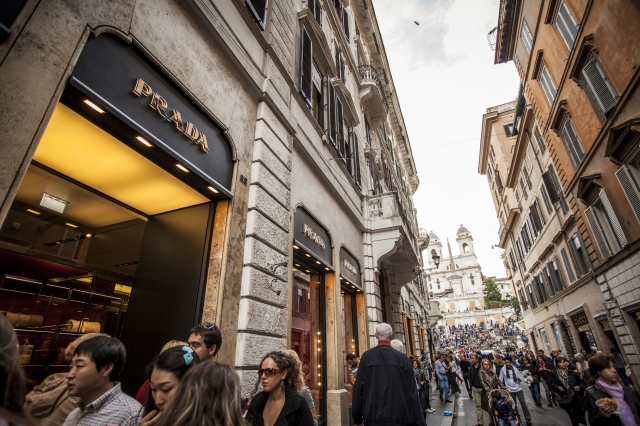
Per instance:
x=176, y=118
x=191, y=131
x=202, y=141
x=159, y=104
x=312, y=235
x=142, y=89
x=351, y=268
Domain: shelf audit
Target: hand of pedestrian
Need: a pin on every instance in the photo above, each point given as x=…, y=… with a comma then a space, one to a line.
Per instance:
x=560, y=388
x=606, y=411
x=577, y=388
x=150, y=419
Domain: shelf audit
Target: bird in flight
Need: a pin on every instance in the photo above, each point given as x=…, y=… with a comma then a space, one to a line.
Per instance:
x=416, y=22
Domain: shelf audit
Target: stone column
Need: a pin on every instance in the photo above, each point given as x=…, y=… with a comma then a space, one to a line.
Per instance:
x=262, y=316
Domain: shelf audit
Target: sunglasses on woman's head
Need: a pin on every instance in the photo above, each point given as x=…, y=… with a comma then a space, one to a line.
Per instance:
x=268, y=371
x=208, y=325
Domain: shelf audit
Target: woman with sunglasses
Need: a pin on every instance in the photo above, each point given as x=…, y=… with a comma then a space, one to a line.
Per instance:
x=279, y=403
x=489, y=380
x=569, y=388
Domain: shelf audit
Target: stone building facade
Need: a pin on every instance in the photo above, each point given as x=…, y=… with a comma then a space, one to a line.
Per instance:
x=242, y=163
x=456, y=283
x=569, y=143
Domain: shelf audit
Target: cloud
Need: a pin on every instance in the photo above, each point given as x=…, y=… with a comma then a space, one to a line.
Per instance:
x=445, y=79
x=424, y=44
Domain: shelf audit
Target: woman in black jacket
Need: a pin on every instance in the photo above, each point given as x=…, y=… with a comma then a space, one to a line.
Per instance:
x=422, y=384
x=568, y=386
x=279, y=404
x=606, y=385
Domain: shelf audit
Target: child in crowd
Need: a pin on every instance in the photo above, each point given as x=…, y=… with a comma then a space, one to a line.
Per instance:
x=502, y=407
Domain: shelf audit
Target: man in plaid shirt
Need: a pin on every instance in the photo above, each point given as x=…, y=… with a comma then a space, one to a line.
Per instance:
x=95, y=367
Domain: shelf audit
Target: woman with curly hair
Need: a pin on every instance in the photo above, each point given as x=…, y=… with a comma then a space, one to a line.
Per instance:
x=208, y=395
x=304, y=390
x=279, y=402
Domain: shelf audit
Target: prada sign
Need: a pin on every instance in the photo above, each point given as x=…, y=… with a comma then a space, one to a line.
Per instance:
x=311, y=236
x=349, y=267
x=118, y=77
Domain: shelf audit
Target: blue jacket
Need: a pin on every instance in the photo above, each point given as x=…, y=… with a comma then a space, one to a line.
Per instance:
x=503, y=408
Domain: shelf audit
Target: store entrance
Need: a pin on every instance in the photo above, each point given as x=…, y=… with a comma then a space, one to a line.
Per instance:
x=99, y=238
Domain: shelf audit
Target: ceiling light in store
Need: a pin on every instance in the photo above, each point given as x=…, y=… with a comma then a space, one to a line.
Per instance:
x=297, y=264
x=71, y=225
x=296, y=247
x=326, y=269
x=144, y=141
x=307, y=254
x=94, y=106
x=318, y=262
x=183, y=168
x=307, y=271
x=53, y=203
x=215, y=191
x=33, y=211
x=89, y=235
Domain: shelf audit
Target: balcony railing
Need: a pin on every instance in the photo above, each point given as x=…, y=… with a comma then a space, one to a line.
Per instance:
x=423, y=233
x=367, y=72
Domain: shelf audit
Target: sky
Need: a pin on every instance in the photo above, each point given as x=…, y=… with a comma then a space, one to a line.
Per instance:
x=445, y=79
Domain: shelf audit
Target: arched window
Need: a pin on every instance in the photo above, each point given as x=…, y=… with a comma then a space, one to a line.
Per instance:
x=465, y=248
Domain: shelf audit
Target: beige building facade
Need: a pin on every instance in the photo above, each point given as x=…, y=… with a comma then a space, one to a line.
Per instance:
x=243, y=163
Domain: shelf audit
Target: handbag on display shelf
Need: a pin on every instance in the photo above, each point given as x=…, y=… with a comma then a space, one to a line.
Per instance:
x=82, y=326
x=25, y=350
x=24, y=320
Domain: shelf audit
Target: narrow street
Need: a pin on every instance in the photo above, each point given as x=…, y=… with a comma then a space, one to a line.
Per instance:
x=542, y=416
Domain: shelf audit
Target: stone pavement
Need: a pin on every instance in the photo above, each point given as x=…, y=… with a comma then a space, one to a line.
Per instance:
x=438, y=418
x=543, y=416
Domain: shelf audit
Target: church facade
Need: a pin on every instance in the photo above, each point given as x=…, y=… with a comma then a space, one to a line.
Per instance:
x=456, y=283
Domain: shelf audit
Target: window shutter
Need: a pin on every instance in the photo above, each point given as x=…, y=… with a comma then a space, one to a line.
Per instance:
x=548, y=183
x=333, y=137
x=342, y=75
x=630, y=188
x=305, y=67
x=318, y=12
x=547, y=85
x=567, y=265
x=348, y=154
x=356, y=160
x=599, y=85
x=598, y=232
x=566, y=25
x=526, y=37
x=345, y=21
x=258, y=9
x=538, y=136
x=613, y=218
x=558, y=275
x=339, y=129
x=579, y=256
x=572, y=143
x=545, y=198
x=535, y=216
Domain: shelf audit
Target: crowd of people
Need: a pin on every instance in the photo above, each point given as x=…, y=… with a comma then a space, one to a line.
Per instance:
x=593, y=386
x=186, y=386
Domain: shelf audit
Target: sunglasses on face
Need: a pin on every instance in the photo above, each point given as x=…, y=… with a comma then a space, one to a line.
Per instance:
x=268, y=372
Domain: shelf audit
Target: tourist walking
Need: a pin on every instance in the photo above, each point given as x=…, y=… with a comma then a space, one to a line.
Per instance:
x=477, y=388
x=165, y=374
x=625, y=409
x=422, y=385
x=582, y=367
x=206, y=340
x=385, y=390
x=304, y=390
x=511, y=377
x=489, y=380
x=49, y=402
x=466, y=376
x=568, y=386
x=209, y=395
x=618, y=364
x=528, y=369
x=442, y=373
x=279, y=402
x=545, y=374
x=452, y=374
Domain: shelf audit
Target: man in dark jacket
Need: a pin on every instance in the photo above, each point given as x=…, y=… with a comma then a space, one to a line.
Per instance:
x=386, y=390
